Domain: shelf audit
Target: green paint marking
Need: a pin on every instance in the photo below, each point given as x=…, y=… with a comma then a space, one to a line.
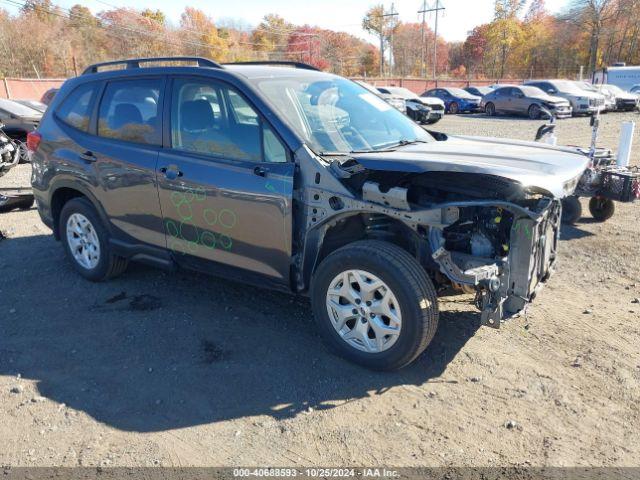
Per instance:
x=210, y=216
x=226, y=242
x=186, y=212
x=201, y=195
x=229, y=220
x=208, y=239
x=177, y=198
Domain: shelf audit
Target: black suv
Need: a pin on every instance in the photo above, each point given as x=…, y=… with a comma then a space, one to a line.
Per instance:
x=299, y=180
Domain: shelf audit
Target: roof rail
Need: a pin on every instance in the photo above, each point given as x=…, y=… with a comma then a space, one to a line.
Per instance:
x=135, y=63
x=283, y=63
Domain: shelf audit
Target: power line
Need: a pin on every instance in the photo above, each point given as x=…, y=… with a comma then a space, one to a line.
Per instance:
x=436, y=8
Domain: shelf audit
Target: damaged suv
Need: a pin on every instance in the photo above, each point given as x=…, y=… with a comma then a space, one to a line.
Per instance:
x=303, y=181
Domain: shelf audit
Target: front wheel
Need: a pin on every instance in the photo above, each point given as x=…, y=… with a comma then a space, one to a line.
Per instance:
x=454, y=108
x=490, y=109
x=602, y=209
x=374, y=304
x=571, y=210
x=534, y=112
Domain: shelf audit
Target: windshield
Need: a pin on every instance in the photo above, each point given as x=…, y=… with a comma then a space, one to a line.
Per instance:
x=402, y=92
x=531, y=91
x=567, y=87
x=613, y=89
x=335, y=115
x=460, y=93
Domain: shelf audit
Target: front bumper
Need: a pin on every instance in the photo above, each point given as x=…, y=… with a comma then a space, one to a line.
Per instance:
x=562, y=112
x=436, y=114
x=627, y=105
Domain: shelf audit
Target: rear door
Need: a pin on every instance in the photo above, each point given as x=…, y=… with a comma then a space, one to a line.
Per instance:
x=225, y=183
x=124, y=153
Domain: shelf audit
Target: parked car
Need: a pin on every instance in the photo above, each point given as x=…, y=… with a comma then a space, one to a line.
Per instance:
x=428, y=110
x=524, y=100
x=456, y=100
x=39, y=106
x=478, y=91
x=47, y=97
x=625, y=101
x=298, y=180
x=18, y=119
x=582, y=102
x=396, y=102
x=609, y=98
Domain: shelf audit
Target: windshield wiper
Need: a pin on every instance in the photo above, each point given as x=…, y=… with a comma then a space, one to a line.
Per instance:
x=389, y=148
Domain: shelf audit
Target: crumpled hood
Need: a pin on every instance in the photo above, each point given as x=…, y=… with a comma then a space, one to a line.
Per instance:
x=432, y=101
x=530, y=163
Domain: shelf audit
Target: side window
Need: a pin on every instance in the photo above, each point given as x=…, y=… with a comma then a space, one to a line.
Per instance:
x=210, y=118
x=76, y=108
x=130, y=111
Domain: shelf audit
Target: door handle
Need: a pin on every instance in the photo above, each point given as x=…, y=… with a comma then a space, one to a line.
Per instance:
x=171, y=172
x=87, y=156
x=261, y=171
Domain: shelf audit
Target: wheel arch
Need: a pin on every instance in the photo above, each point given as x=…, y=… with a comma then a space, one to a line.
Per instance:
x=65, y=191
x=353, y=226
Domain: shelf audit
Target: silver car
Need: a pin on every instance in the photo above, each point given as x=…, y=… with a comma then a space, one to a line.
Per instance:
x=524, y=100
x=582, y=102
x=17, y=118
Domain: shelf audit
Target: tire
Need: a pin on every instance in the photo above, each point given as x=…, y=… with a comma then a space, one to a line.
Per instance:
x=409, y=285
x=107, y=265
x=490, y=109
x=602, y=209
x=571, y=210
x=534, y=112
x=454, y=108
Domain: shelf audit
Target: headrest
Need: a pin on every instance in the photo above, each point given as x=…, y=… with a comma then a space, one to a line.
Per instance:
x=196, y=115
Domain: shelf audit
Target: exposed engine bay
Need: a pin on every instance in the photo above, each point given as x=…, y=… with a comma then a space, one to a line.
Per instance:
x=473, y=233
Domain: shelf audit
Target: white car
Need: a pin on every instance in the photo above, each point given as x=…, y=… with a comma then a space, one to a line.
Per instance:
x=582, y=101
x=435, y=104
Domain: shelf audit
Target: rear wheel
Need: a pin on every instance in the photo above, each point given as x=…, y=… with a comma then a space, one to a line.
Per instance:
x=534, y=112
x=602, y=209
x=374, y=304
x=490, y=109
x=86, y=242
x=454, y=108
x=571, y=210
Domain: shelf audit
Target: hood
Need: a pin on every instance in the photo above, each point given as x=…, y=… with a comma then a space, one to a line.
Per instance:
x=432, y=101
x=532, y=164
x=550, y=98
x=587, y=94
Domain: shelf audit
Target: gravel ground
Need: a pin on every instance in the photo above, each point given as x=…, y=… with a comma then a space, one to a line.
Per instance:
x=182, y=369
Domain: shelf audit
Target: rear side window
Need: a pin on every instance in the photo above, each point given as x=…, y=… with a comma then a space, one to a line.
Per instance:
x=76, y=108
x=130, y=111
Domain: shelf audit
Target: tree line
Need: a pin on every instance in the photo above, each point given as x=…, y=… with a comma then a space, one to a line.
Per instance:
x=45, y=40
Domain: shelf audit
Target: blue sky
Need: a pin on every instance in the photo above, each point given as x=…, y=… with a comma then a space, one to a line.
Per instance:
x=459, y=17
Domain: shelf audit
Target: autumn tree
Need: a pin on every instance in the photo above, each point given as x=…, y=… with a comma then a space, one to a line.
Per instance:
x=376, y=23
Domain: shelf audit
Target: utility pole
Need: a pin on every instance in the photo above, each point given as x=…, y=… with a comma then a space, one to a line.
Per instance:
x=423, y=45
x=436, y=8
x=392, y=13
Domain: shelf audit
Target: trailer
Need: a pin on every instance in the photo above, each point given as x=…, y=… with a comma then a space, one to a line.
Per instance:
x=624, y=77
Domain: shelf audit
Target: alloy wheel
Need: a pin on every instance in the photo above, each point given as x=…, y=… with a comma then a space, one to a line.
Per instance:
x=83, y=241
x=364, y=311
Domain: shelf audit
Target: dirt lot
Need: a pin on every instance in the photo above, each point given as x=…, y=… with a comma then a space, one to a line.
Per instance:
x=178, y=370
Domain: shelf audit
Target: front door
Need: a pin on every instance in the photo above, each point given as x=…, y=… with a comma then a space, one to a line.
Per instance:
x=225, y=183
